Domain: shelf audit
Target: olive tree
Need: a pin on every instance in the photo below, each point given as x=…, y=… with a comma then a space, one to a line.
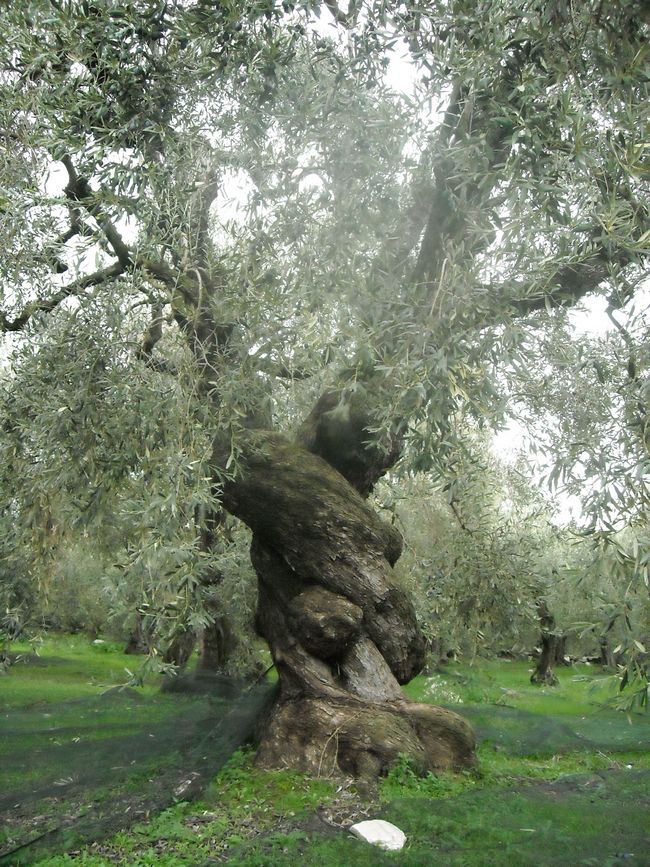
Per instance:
x=586, y=408
x=384, y=253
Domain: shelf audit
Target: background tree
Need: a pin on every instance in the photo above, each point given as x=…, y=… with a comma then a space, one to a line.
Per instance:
x=484, y=552
x=386, y=252
x=587, y=412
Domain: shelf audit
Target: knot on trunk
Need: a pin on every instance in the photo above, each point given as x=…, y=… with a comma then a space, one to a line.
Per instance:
x=325, y=623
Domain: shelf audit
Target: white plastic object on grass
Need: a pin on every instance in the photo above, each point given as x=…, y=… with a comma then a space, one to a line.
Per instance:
x=379, y=833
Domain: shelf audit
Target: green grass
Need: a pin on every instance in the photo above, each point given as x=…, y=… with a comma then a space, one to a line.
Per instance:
x=559, y=779
x=66, y=667
x=468, y=819
x=241, y=803
x=68, y=728
x=512, y=714
x=63, y=688
x=581, y=688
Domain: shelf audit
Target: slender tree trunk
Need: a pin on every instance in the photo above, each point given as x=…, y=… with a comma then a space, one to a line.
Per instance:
x=343, y=636
x=217, y=640
x=549, y=640
x=560, y=651
x=607, y=657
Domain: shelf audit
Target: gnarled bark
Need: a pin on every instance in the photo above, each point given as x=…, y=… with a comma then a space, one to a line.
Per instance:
x=343, y=636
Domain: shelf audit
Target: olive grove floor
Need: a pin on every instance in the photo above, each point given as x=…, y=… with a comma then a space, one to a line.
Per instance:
x=561, y=779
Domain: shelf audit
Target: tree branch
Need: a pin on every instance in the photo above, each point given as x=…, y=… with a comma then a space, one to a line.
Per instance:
x=568, y=285
x=453, y=505
x=345, y=19
x=76, y=228
x=469, y=113
x=153, y=333
x=205, y=197
x=447, y=220
x=78, y=190
x=150, y=338
x=46, y=305
x=414, y=217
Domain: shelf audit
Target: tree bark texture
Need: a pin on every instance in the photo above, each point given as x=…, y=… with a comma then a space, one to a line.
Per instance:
x=608, y=659
x=140, y=638
x=216, y=641
x=343, y=636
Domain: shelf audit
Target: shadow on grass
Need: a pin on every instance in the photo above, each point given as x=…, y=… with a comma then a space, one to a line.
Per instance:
x=79, y=770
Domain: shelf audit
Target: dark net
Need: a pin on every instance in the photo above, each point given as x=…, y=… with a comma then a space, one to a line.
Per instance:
x=79, y=770
x=520, y=732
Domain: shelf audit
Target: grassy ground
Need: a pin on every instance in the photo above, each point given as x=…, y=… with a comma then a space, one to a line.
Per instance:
x=65, y=667
x=79, y=751
x=559, y=780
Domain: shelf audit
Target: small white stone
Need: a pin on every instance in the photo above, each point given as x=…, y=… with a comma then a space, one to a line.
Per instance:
x=380, y=833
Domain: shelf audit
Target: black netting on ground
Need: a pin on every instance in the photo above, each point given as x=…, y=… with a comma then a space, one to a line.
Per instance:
x=78, y=770
x=523, y=733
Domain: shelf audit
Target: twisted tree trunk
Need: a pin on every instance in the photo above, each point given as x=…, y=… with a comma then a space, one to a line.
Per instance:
x=343, y=636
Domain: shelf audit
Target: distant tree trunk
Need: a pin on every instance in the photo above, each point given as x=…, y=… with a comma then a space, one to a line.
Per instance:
x=342, y=635
x=217, y=640
x=180, y=649
x=606, y=656
x=560, y=651
x=544, y=674
x=133, y=646
x=139, y=640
